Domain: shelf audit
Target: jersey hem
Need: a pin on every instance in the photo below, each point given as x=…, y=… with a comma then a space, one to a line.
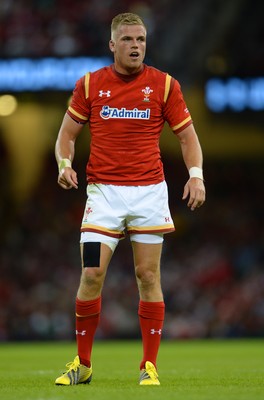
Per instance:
x=125, y=183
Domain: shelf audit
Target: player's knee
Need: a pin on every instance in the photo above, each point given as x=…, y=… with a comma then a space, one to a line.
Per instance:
x=92, y=277
x=146, y=277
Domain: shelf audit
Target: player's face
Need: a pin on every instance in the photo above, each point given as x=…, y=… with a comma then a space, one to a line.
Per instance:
x=129, y=48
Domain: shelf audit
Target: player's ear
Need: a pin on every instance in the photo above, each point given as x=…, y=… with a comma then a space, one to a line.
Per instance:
x=112, y=45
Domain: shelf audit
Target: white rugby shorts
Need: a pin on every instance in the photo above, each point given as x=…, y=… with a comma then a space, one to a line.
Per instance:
x=112, y=210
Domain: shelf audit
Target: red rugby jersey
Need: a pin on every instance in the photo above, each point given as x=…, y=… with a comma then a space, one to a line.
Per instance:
x=126, y=117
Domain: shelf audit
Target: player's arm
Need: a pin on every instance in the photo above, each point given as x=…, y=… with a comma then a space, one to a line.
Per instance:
x=64, y=152
x=193, y=158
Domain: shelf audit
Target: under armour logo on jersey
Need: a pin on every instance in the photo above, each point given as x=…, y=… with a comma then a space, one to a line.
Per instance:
x=82, y=333
x=153, y=331
x=102, y=93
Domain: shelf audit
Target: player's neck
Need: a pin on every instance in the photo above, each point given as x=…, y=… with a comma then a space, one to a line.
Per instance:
x=129, y=76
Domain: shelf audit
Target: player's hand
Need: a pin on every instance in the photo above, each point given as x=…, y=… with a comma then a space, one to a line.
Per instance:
x=67, y=178
x=195, y=189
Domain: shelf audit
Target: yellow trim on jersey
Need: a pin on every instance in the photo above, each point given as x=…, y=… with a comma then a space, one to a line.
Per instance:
x=167, y=87
x=176, y=127
x=77, y=114
x=86, y=84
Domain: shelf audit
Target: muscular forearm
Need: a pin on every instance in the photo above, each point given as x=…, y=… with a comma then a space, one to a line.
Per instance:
x=64, y=147
x=64, y=152
x=191, y=149
x=65, y=144
x=193, y=158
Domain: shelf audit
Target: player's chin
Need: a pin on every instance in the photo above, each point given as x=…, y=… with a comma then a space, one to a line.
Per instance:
x=134, y=65
x=136, y=60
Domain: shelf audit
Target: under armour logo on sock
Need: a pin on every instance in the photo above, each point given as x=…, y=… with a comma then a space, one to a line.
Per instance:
x=153, y=331
x=82, y=333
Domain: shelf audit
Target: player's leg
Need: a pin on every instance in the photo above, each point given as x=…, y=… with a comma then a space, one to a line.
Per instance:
x=151, y=305
x=95, y=260
x=150, y=215
x=102, y=227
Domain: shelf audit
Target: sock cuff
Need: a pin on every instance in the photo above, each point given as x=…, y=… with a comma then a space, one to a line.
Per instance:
x=87, y=308
x=151, y=310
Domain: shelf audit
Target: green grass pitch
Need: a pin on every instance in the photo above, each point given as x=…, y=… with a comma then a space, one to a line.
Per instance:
x=188, y=370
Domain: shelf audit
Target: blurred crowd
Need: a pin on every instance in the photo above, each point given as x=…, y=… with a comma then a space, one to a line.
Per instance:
x=190, y=37
x=212, y=266
x=63, y=27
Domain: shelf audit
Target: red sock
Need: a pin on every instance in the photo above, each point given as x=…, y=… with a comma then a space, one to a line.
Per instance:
x=87, y=320
x=151, y=317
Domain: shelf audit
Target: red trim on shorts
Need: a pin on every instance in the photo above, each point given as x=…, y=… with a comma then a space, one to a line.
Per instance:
x=150, y=231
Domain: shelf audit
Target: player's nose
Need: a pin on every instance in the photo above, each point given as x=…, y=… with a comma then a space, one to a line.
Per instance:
x=134, y=43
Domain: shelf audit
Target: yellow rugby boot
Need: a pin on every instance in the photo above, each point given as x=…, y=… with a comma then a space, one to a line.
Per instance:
x=76, y=373
x=149, y=375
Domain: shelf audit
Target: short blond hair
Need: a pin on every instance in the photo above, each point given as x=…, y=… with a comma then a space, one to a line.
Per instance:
x=125, y=19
